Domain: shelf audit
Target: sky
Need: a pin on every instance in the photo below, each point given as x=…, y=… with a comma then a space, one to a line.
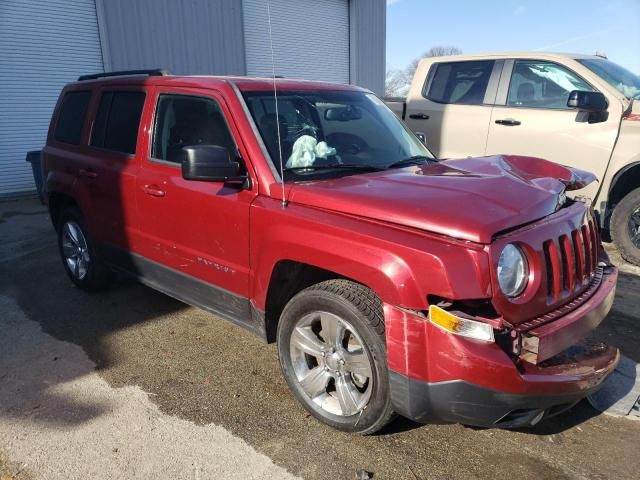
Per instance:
x=611, y=27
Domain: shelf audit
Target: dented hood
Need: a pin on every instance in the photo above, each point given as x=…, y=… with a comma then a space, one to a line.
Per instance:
x=469, y=199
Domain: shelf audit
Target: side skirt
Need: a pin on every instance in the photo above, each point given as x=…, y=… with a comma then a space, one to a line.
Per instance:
x=185, y=288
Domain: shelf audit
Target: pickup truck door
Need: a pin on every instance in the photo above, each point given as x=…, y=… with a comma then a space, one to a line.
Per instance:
x=531, y=118
x=453, y=108
x=193, y=240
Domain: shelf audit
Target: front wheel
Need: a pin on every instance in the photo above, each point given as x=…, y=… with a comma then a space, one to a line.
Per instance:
x=332, y=352
x=625, y=227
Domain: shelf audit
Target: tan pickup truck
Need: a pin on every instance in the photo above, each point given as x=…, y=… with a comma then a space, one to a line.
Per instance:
x=577, y=110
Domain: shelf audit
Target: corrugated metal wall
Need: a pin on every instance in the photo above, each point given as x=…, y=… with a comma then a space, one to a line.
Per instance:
x=368, y=43
x=338, y=40
x=44, y=44
x=185, y=37
x=310, y=39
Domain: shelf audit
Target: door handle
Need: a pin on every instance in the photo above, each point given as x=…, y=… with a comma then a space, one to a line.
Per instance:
x=419, y=116
x=509, y=122
x=87, y=173
x=153, y=190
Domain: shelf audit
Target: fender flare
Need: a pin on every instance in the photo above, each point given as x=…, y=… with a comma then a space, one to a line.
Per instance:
x=384, y=272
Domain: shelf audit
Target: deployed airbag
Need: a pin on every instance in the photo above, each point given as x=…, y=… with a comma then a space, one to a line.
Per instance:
x=306, y=150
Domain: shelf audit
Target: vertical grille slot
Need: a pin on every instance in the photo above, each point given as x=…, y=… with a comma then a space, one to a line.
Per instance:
x=568, y=263
x=588, y=248
x=554, y=270
x=595, y=242
x=581, y=254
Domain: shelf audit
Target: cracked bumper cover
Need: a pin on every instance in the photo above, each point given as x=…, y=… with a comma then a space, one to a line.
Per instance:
x=437, y=377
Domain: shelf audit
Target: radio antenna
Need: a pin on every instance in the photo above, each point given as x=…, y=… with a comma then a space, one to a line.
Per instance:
x=275, y=99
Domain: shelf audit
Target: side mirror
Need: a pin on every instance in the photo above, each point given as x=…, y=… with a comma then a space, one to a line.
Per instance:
x=587, y=101
x=209, y=163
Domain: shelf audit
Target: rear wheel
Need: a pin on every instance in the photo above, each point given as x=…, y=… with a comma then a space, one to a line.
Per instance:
x=332, y=352
x=78, y=253
x=625, y=227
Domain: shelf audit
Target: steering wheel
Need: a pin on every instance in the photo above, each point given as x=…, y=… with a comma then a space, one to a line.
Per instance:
x=347, y=143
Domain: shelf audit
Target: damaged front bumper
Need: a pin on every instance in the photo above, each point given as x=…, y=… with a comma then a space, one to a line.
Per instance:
x=438, y=377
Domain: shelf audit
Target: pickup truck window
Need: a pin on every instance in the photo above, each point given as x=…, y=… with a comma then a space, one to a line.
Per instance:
x=183, y=120
x=71, y=117
x=321, y=129
x=618, y=77
x=542, y=84
x=117, y=121
x=459, y=82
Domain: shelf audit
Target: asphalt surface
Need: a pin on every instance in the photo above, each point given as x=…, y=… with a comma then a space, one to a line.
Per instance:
x=196, y=368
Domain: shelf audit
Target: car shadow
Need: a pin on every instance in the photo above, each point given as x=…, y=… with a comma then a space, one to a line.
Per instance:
x=34, y=286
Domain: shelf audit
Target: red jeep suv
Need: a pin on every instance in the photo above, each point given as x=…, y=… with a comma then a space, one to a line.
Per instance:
x=306, y=212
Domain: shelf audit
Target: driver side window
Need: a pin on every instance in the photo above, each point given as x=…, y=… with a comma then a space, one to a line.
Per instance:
x=540, y=84
x=184, y=120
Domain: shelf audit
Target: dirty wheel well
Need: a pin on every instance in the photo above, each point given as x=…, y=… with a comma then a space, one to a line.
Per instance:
x=57, y=203
x=627, y=181
x=288, y=278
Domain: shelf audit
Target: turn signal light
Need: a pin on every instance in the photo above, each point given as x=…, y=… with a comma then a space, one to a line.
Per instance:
x=460, y=326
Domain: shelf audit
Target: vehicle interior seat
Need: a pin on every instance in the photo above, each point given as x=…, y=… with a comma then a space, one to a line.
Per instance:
x=475, y=94
x=526, y=93
x=269, y=129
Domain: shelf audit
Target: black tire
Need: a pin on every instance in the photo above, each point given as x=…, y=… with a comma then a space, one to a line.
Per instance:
x=362, y=311
x=96, y=276
x=621, y=230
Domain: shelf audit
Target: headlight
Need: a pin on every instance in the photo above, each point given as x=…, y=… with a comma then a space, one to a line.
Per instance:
x=513, y=271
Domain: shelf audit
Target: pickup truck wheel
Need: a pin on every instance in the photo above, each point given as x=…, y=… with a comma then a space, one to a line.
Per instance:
x=333, y=356
x=78, y=253
x=625, y=227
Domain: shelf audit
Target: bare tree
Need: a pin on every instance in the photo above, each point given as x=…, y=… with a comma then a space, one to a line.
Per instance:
x=437, y=51
x=397, y=81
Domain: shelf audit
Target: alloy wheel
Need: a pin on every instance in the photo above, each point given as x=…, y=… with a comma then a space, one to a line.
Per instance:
x=331, y=363
x=75, y=250
x=634, y=227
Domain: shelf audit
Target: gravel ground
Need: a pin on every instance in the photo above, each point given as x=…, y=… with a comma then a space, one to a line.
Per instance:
x=12, y=471
x=138, y=361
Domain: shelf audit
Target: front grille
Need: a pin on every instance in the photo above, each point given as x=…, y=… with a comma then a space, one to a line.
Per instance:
x=567, y=307
x=571, y=260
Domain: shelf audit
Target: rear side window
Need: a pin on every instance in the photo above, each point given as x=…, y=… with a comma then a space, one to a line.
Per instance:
x=459, y=82
x=117, y=121
x=73, y=111
x=183, y=120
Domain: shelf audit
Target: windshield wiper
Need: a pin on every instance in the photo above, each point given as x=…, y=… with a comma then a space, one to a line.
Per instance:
x=414, y=160
x=332, y=166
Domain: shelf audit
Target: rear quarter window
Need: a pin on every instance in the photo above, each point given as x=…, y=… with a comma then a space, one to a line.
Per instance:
x=459, y=82
x=117, y=121
x=73, y=112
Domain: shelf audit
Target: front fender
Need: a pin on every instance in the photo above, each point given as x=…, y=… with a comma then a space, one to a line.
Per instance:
x=400, y=265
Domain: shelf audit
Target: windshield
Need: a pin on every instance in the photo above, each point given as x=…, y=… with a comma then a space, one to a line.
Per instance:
x=327, y=133
x=622, y=79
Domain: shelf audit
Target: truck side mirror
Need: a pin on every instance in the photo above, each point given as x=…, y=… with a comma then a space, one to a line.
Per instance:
x=209, y=163
x=587, y=101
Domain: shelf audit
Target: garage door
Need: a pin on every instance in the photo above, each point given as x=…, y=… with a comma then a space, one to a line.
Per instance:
x=310, y=38
x=44, y=44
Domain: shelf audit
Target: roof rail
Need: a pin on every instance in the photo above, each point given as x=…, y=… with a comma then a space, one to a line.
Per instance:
x=153, y=73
